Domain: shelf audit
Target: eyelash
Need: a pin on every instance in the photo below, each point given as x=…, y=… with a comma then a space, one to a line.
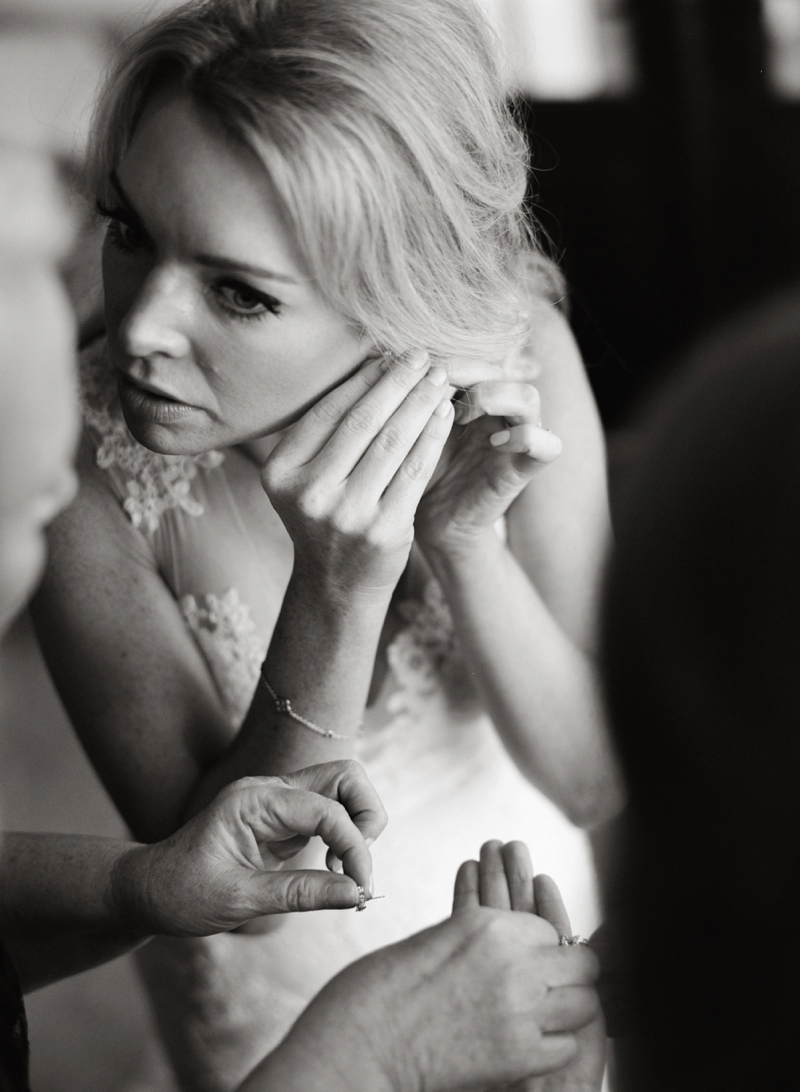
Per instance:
x=118, y=221
x=270, y=304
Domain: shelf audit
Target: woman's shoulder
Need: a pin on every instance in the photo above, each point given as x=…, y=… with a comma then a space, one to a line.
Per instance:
x=146, y=484
x=542, y=283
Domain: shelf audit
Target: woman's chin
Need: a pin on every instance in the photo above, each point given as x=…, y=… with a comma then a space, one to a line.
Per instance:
x=184, y=437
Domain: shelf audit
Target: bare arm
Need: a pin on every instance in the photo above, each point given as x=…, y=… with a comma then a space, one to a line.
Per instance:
x=131, y=677
x=526, y=611
x=57, y=915
x=68, y=903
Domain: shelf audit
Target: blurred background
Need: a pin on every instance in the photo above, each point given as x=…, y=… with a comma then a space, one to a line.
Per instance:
x=666, y=175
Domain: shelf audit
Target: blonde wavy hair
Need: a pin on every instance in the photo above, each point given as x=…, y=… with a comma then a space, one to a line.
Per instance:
x=384, y=128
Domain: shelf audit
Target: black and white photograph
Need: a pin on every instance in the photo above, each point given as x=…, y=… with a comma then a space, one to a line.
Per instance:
x=399, y=545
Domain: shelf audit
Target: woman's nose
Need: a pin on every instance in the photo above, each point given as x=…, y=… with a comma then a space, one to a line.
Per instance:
x=158, y=319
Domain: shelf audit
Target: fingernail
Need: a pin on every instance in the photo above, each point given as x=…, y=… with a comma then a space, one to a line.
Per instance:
x=368, y=842
x=444, y=408
x=417, y=360
x=341, y=894
x=498, y=438
x=336, y=865
x=371, y=887
x=437, y=376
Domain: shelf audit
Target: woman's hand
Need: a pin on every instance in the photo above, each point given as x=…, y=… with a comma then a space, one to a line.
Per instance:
x=497, y=445
x=224, y=866
x=484, y=996
x=347, y=478
x=504, y=878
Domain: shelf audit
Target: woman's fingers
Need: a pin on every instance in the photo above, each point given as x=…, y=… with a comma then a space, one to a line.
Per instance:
x=466, y=895
x=378, y=433
x=550, y=905
x=316, y=815
x=366, y=417
x=518, y=404
x=492, y=882
x=519, y=876
x=347, y=782
x=403, y=492
x=279, y=812
x=287, y=892
x=568, y=1008
x=518, y=401
x=306, y=438
x=505, y=877
x=287, y=848
x=526, y=439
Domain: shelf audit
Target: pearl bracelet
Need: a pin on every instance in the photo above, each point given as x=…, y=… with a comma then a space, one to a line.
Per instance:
x=284, y=706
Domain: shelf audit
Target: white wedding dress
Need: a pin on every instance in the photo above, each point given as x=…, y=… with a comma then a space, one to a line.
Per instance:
x=432, y=753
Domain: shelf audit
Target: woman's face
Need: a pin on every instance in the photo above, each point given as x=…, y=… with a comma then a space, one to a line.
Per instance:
x=217, y=331
x=38, y=420
x=38, y=398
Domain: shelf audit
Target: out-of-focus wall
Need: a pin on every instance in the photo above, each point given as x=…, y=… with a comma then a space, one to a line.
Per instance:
x=52, y=55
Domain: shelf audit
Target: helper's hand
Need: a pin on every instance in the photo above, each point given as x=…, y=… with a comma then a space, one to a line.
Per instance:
x=224, y=866
x=496, y=446
x=484, y=998
x=504, y=878
x=346, y=479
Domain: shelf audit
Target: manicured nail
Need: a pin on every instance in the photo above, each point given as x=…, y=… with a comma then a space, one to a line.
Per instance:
x=417, y=360
x=341, y=894
x=437, y=376
x=498, y=438
x=368, y=842
x=336, y=865
x=444, y=409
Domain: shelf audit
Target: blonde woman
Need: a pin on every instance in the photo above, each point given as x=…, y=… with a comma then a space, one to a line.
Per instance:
x=289, y=546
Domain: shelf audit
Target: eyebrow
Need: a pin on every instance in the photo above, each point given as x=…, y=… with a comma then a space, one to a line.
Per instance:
x=210, y=260
x=233, y=265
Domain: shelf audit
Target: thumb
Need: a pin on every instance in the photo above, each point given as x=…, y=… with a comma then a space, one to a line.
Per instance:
x=305, y=889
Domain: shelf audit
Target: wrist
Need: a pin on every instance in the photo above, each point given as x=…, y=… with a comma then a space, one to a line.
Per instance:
x=460, y=557
x=327, y=1049
x=129, y=900
x=334, y=606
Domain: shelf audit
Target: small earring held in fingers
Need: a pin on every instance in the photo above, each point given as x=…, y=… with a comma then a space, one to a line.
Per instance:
x=565, y=941
x=364, y=898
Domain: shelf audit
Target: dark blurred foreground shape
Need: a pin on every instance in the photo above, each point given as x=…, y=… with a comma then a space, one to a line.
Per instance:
x=701, y=644
x=675, y=204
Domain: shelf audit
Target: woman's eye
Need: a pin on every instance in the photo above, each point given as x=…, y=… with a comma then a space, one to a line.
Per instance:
x=126, y=235
x=129, y=234
x=245, y=302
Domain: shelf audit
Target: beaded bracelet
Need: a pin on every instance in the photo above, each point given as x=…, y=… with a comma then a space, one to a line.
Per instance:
x=283, y=705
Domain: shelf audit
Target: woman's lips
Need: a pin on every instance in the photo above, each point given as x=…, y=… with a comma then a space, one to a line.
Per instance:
x=149, y=406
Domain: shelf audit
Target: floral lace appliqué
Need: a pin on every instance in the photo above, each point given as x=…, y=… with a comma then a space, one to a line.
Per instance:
x=225, y=631
x=426, y=657
x=154, y=482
